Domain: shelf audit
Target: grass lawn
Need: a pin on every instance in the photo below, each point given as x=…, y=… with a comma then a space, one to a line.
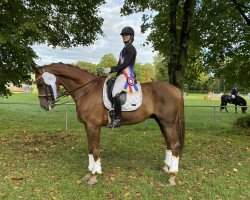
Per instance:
x=39, y=160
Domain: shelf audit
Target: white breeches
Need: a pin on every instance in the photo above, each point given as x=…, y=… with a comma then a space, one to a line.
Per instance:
x=119, y=85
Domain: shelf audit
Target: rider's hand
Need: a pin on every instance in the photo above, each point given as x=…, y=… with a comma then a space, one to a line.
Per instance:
x=106, y=70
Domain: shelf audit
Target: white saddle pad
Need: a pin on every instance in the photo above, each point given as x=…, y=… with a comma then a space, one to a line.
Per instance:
x=133, y=100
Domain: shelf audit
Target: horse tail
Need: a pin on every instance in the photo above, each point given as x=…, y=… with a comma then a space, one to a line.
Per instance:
x=181, y=127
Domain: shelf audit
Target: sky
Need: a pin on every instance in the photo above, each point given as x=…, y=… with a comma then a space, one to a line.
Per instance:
x=110, y=43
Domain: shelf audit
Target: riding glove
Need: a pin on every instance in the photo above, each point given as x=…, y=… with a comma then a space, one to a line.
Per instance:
x=106, y=70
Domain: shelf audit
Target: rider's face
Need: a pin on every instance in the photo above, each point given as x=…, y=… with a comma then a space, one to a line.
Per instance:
x=126, y=37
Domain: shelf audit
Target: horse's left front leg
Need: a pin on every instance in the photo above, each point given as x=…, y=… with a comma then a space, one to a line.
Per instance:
x=235, y=108
x=93, y=134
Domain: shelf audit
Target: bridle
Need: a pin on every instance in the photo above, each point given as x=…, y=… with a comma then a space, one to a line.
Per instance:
x=49, y=95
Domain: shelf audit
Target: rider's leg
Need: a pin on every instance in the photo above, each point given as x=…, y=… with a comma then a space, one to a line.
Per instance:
x=118, y=87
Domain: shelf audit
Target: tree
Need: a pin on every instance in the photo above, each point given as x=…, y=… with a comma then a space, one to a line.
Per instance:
x=161, y=68
x=90, y=67
x=147, y=73
x=219, y=32
x=107, y=60
x=223, y=34
x=56, y=23
x=176, y=31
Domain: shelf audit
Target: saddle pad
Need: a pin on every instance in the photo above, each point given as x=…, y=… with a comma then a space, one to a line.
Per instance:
x=133, y=100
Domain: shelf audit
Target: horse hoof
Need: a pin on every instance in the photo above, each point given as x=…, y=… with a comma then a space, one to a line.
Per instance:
x=92, y=181
x=165, y=169
x=171, y=183
x=87, y=177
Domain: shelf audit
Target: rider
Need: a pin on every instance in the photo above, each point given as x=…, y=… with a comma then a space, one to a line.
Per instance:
x=125, y=71
x=234, y=92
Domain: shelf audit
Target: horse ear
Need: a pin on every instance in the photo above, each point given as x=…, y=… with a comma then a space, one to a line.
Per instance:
x=33, y=67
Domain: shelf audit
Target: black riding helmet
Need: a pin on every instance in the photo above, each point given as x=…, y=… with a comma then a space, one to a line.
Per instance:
x=128, y=30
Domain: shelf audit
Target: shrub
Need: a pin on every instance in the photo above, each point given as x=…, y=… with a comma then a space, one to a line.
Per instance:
x=243, y=122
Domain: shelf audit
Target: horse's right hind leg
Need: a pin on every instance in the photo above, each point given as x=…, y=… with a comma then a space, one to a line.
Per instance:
x=173, y=150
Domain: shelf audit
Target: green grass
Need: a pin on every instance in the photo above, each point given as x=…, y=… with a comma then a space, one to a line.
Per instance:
x=39, y=160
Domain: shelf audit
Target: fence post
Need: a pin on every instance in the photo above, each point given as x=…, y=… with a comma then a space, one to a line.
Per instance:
x=66, y=117
x=214, y=113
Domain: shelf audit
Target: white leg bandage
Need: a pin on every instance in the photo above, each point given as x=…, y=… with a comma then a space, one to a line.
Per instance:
x=97, y=167
x=94, y=166
x=168, y=157
x=91, y=162
x=174, y=164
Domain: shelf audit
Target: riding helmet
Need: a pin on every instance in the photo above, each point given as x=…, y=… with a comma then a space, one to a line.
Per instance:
x=128, y=30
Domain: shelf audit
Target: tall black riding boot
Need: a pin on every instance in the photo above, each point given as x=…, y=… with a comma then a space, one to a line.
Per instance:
x=116, y=121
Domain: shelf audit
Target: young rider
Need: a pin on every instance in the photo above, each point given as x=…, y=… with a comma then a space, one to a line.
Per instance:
x=125, y=73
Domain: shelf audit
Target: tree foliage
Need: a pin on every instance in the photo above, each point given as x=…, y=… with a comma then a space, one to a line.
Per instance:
x=90, y=67
x=56, y=23
x=161, y=68
x=219, y=34
x=107, y=60
x=144, y=72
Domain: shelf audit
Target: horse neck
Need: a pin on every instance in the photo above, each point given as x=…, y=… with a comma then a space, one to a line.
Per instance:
x=71, y=78
x=242, y=101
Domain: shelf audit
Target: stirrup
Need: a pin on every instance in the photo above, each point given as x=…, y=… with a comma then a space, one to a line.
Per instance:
x=114, y=124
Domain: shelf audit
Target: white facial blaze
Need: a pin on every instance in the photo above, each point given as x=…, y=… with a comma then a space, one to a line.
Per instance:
x=174, y=166
x=94, y=166
x=54, y=90
x=50, y=79
x=168, y=157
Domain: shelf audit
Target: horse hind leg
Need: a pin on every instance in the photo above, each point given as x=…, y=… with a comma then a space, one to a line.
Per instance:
x=173, y=150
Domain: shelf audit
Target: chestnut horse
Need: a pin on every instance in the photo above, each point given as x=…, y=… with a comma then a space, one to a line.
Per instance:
x=161, y=101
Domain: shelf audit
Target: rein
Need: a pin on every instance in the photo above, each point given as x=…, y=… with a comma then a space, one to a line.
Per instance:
x=66, y=93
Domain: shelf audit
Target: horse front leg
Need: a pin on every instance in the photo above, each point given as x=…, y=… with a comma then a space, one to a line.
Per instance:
x=94, y=167
x=226, y=107
x=235, y=108
x=221, y=106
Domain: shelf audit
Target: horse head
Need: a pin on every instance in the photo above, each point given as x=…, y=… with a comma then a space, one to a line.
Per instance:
x=47, y=87
x=242, y=102
x=244, y=109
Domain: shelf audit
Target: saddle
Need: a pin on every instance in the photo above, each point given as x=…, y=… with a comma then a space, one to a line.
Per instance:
x=129, y=101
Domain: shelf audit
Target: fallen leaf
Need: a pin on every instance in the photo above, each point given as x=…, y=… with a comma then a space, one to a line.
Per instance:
x=138, y=194
x=126, y=187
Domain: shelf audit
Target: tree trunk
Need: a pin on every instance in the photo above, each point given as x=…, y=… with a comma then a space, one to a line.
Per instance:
x=241, y=11
x=178, y=51
x=173, y=42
